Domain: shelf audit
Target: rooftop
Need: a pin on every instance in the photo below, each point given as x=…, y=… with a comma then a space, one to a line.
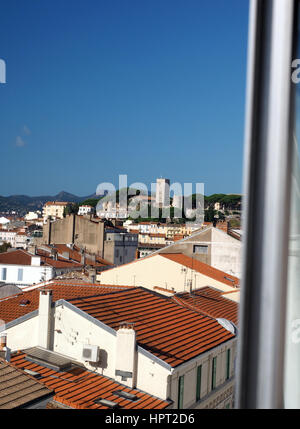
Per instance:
x=79, y=388
x=211, y=301
x=23, y=303
x=18, y=389
x=166, y=329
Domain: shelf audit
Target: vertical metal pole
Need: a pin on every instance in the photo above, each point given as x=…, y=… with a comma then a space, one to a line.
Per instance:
x=266, y=206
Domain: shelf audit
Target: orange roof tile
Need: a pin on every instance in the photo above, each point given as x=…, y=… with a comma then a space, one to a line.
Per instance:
x=210, y=301
x=10, y=308
x=21, y=257
x=164, y=328
x=79, y=388
x=75, y=255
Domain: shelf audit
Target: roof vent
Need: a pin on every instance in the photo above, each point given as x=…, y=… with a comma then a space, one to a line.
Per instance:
x=125, y=395
x=24, y=302
x=107, y=403
x=228, y=278
x=228, y=325
x=32, y=373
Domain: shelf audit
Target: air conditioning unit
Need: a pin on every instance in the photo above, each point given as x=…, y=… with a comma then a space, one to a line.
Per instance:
x=90, y=353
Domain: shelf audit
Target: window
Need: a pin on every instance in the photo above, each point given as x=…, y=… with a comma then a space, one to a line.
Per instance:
x=4, y=272
x=20, y=274
x=199, y=249
x=198, y=386
x=214, y=373
x=180, y=391
x=227, y=364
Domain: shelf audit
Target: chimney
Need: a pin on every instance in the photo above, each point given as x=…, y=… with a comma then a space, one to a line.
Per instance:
x=35, y=261
x=54, y=254
x=44, y=318
x=3, y=346
x=82, y=259
x=3, y=340
x=126, y=354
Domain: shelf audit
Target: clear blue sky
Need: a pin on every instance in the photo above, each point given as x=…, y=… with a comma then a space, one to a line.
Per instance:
x=98, y=88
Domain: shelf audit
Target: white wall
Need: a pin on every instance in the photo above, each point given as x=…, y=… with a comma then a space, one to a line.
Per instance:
x=31, y=274
x=23, y=336
x=226, y=253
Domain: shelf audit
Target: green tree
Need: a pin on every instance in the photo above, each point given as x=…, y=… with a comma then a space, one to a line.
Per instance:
x=70, y=209
x=4, y=246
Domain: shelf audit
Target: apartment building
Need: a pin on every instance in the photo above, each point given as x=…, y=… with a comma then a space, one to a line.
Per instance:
x=85, y=210
x=54, y=210
x=213, y=246
x=8, y=236
x=95, y=236
x=174, y=353
x=22, y=240
x=171, y=271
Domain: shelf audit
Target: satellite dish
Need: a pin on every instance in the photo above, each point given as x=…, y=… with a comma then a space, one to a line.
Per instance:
x=228, y=325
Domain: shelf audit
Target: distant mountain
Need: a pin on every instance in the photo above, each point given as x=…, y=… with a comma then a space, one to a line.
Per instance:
x=23, y=203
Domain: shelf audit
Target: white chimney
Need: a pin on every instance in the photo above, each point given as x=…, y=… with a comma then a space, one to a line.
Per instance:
x=125, y=354
x=35, y=261
x=44, y=318
x=3, y=346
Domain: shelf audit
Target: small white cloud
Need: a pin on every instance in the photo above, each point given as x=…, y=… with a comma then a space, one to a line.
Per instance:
x=20, y=142
x=26, y=130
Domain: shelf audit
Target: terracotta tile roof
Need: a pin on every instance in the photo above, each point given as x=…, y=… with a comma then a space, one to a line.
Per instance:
x=210, y=301
x=75, y=255
x=56, y=203
x=17, y=257
x=10, y=308
x=21, y=257
x=202, y=268
x=17, y=389
x=166, y=329
x=79, y=388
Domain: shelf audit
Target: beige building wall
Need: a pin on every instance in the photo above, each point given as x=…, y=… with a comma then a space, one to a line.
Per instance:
x=54, y=210
x=78, y=230
x=158, y=271
x=224, y=391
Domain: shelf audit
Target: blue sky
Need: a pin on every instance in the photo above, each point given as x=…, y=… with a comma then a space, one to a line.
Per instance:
x=100, y=88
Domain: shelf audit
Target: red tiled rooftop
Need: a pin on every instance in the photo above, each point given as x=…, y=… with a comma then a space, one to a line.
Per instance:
x=21, y=257
x=74, y=254
x=79, y=388
x=210, y=301
x=56, y=203
x=168, y=330
x=202, y=268
x=10, y=308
